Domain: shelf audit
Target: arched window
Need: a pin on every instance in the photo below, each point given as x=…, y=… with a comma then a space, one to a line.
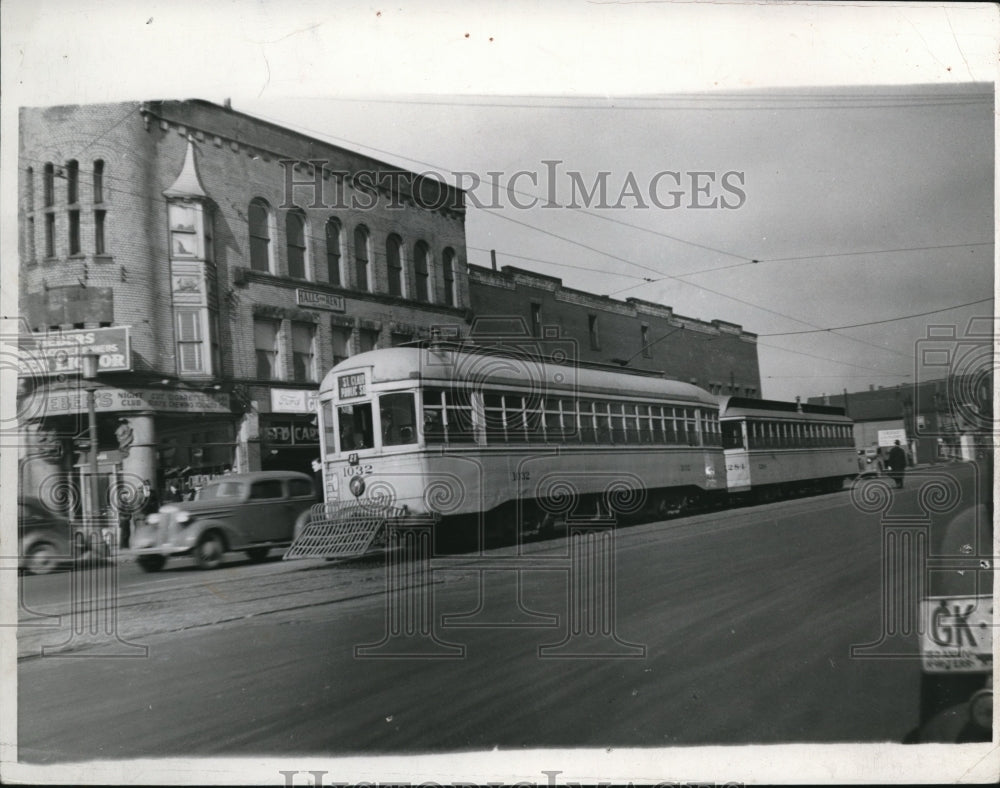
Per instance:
x=333, y=252
x=29, y=189
x=260, y=235
x=448, y=269
x=49, y=185
x=295, y=233
x=361, y=257
x=72, y=182
x=421, y=271
x=99, y=180
x=394, y=262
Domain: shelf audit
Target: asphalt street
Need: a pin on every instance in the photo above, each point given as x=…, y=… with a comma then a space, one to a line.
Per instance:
x=731, y=627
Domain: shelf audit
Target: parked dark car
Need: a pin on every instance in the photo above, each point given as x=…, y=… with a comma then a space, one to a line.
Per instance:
x=44, y=538
x=251, y=512
x=956, y=685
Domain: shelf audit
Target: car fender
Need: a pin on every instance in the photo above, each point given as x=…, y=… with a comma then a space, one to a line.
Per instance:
x=200, y=527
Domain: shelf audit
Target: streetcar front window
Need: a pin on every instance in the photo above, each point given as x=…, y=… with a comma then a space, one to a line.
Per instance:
x=355, y=426
x=398, y=419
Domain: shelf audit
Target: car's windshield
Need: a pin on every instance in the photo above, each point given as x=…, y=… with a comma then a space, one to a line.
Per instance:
x=216, y=490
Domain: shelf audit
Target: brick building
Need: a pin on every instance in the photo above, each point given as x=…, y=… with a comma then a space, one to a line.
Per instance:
x=219, y=265
x=639, y=335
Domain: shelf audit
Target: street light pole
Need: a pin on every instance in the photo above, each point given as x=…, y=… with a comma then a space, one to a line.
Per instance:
x=89, y=363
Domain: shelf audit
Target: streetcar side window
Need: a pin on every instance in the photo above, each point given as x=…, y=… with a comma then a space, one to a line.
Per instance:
x=329, y=426
x=434, y=416
x=398, y=419
x=459, y=413
x=732, y=435
x=355, y=426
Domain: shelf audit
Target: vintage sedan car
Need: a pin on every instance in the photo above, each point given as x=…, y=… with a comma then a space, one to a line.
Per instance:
x=252, y=512
x=44, y=538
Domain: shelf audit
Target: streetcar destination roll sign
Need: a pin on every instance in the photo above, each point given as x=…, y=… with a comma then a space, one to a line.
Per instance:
x=351, y=385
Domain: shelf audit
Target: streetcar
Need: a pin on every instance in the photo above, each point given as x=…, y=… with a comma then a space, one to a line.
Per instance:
x=500, y=439
x=774, y=449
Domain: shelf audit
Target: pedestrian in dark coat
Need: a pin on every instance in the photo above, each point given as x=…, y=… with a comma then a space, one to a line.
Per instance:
x=897, y=464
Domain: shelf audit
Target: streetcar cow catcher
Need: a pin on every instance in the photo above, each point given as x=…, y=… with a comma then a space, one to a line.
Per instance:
x=490, y=443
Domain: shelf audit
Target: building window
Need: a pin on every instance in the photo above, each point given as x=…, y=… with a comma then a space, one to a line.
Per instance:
x=536, y=320
x=29, y=189
x=74, y=232
x=645, y=341
x=333, y=252
x=190, y=342
x=367, y=339
x=295, y=233
x=448, y=269
x=99, y=181
x=303, y=352
x=48, y=179
x=72, y=182
x=361, y=257
x=183, y=230
x=260, y=236
x=265, y=337
x=394, y=263
x=595, y=339
x=50, y=235
x=31, y=238
x=340, y=339
x=99, y=246
x=399, y=338
x=421, y=272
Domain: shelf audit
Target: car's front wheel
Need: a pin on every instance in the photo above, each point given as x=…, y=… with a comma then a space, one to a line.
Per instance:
x=208, y=553
x=42, y=558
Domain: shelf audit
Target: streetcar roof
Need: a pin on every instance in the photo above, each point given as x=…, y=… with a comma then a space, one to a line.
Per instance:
x=507, y=369
x=745, y=407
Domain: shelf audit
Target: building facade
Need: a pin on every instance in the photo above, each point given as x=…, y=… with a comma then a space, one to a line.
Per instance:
x=218, y=265
x=947, y=418
x=639, y=335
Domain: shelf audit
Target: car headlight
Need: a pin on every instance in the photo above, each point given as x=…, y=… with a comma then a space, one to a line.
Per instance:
x=152, y=519
x=182, y=517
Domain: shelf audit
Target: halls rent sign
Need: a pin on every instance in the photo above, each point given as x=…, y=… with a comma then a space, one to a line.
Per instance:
x=59, y=352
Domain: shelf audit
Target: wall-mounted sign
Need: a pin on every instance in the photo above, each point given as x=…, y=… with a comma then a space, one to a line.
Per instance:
x=292, y=432
x=59, y=352
x=889, y=437
x=317, y=300
x=57, y=403
x=351, y=385
x=293, y=400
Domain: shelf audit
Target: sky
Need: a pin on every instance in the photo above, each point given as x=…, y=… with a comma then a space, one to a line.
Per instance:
x=847, y=149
